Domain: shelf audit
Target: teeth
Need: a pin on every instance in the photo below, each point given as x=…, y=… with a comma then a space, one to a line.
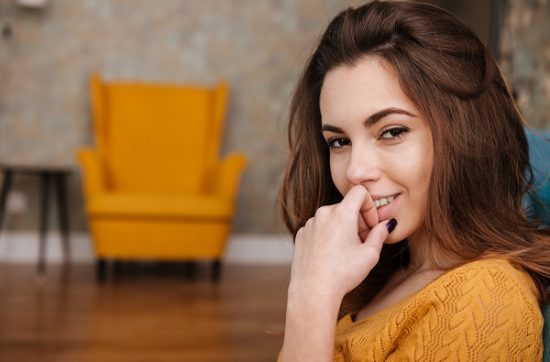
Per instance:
x=383, y=201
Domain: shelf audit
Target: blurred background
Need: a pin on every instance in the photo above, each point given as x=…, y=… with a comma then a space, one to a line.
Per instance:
x=49, y=48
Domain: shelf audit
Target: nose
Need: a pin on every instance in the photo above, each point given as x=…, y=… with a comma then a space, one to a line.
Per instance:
x=363, y=166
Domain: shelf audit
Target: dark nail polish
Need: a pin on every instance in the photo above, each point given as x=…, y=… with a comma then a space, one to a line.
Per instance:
x=391, y=225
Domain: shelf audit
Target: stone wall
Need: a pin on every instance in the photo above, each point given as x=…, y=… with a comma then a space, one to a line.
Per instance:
x=258, y=46
x=526, y=57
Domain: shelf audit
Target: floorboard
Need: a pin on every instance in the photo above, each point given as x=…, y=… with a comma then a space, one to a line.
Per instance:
x=145, y=312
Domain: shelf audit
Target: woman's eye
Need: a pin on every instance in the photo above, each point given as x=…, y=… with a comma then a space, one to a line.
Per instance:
x=393, y=133
x=337, y=142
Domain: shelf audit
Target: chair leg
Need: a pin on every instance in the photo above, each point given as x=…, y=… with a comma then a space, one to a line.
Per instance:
x=101, y=270
x=216, y=270
x=190, y=269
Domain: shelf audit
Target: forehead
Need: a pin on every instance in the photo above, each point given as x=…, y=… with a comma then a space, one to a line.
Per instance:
x=351, y=92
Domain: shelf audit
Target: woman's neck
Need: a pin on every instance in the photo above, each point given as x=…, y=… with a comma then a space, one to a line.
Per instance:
x=424, y=256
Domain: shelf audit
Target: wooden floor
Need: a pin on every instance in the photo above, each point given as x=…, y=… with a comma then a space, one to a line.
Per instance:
x=146, y=312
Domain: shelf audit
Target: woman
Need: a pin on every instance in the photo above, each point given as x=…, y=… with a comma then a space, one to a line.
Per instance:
x=403, y=191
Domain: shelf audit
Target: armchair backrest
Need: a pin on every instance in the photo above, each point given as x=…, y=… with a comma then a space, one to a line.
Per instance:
x=537, y=204
x=156, y=137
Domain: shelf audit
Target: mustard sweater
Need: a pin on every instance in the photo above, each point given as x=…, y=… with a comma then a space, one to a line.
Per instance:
x=481, y=311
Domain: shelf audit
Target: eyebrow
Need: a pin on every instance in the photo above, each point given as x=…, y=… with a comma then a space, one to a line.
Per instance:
x=372, y=119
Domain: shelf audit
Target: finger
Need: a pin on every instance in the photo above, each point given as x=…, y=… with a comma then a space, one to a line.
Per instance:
x=363, y=234
x=369, y=212
x=353, y=200
x=375, y=240
x=363, y=227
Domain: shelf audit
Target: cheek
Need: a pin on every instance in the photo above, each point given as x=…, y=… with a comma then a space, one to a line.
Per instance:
x=425, y=171
x=421, y=174
x=338, y=173
x=419, y=171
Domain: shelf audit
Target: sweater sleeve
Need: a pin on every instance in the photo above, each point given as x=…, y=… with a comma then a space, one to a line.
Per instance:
x=481, y=315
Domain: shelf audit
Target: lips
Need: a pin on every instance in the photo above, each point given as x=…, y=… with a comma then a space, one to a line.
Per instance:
x=383, y=201
x=387, y=206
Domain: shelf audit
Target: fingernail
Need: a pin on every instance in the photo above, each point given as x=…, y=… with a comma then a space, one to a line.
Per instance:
x=391, y=225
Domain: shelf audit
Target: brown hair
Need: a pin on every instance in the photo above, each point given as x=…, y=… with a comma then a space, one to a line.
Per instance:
x=481, y=165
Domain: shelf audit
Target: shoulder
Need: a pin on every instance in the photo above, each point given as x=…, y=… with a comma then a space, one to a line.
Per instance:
x=494, y=276
x=483, y=310
x=490, y=292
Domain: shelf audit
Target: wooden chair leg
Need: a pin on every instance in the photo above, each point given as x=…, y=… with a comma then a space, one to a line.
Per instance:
x=190, y=269
x=101, y=270
x=216, y=270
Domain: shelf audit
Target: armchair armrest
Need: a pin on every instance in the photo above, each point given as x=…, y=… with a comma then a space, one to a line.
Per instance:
x=226, y=177
x=93, y=175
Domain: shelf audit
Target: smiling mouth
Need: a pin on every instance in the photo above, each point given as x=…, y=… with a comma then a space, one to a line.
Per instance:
x=384, y=201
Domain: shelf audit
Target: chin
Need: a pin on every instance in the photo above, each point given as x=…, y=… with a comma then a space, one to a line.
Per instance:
x=395, y=237
x=393, y=240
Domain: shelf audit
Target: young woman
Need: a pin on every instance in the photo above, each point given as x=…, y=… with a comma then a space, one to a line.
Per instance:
x=403, y=191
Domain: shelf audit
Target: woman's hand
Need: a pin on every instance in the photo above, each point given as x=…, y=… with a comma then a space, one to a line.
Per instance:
x=333, y=253
x=338, y=247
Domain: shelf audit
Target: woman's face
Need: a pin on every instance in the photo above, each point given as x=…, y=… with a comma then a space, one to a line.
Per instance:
x=377, y=138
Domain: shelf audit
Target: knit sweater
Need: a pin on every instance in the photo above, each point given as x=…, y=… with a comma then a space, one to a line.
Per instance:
x=481, y=311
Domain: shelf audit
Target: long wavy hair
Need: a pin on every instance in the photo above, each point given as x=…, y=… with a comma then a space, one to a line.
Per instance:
x=481, y=163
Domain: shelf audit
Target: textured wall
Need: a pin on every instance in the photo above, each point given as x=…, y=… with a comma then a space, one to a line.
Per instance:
x=259, y=46
x=526, y=57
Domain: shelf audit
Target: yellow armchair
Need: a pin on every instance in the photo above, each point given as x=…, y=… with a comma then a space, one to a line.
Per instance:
x=154, y=185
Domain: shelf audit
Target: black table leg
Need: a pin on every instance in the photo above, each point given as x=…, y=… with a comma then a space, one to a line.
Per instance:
x=6, y=186
x=63, y=215
x=45, y=194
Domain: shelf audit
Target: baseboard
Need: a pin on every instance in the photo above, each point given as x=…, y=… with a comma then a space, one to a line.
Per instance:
x=22, y=247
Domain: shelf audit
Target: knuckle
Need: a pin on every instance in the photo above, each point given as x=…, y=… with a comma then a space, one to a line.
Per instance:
x=341, y=212
x=298, y=236
x=322, y=211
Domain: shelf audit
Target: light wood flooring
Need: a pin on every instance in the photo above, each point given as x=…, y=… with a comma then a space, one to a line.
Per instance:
x=146, y=312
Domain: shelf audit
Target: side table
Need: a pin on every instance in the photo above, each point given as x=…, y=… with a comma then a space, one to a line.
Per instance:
x=48, y=174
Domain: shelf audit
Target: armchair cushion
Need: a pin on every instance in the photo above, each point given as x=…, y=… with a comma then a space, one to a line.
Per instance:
x=161, y=206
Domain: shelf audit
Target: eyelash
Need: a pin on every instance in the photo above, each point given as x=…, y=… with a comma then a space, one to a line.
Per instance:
x=399, y=132
x=332, y=141
x=395, y=132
